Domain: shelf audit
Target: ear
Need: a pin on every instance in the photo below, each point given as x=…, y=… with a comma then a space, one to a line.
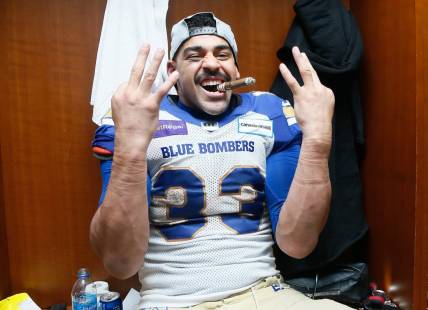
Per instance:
x=238, y=75
x=171, y=66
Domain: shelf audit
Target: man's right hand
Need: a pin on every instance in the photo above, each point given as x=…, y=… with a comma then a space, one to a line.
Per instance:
x=119, y=229
x=135, y=108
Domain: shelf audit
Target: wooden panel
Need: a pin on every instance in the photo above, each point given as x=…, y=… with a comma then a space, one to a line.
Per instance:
x=259, y=29
x=51, y=181
x=389, y=174
x=421, y=243
x=4, y=256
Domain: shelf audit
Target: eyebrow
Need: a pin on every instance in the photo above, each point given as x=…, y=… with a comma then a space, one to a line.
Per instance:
x=197, y=48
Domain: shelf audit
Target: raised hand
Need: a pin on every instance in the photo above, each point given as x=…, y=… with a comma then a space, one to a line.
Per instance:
x=313, y=102
x=135, y=109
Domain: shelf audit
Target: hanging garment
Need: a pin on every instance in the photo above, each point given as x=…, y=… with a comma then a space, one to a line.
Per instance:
x=329, y=35
x=127, y=25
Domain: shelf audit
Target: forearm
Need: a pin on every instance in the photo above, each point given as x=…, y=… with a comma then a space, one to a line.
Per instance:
x=305, y=211
x=120, y=228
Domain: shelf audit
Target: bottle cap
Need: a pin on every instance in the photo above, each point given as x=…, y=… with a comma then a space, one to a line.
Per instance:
x=83, y=273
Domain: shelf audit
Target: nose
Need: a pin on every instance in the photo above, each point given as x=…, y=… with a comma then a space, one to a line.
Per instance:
x=210, y=62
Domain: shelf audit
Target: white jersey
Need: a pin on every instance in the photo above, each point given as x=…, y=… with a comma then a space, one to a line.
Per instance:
x=210, y=234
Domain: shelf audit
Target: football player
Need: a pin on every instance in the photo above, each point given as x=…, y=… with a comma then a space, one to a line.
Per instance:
x=197, y=187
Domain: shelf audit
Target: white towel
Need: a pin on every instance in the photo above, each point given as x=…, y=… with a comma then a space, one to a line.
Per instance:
x=127, y=25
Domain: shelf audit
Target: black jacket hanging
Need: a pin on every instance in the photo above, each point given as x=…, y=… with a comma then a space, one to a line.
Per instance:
x=329, y=35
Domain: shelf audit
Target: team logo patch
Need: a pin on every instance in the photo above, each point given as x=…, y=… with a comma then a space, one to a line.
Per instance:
x=288, y=111
x=170, y=128
x=260, y=127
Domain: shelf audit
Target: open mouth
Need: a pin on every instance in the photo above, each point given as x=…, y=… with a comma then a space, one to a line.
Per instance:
x=211, y=85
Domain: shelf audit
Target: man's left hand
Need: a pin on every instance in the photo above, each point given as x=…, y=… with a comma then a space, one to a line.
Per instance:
x=313, y=102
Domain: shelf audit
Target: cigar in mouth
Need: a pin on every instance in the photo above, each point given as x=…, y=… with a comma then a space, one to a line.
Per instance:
x=237, y=83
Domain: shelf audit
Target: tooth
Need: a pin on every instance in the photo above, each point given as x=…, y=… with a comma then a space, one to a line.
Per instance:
x=210, y=83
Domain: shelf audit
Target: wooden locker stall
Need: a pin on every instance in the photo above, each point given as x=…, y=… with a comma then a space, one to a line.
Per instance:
x=4, y=256
x=50, y=182
x=394, y=88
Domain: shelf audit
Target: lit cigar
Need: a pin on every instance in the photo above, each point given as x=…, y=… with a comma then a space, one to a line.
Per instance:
x=237, y=83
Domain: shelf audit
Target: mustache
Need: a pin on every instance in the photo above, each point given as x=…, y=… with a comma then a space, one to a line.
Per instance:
x=211, y=75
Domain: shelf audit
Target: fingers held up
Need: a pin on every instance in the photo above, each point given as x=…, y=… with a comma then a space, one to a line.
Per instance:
x=307, y=72
x=313, y=102
x=139, y=65
x=135, y=99
x=289, y=78
x=152, y=71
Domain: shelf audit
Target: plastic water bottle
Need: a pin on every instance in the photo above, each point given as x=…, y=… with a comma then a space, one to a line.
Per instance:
x=80, y=298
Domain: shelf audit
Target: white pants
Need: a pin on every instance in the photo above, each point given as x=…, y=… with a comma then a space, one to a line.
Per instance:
x=270, y=294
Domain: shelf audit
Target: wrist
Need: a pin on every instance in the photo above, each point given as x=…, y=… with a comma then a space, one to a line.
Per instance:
x=317, y=137
x=316, y=147
x=131, y=145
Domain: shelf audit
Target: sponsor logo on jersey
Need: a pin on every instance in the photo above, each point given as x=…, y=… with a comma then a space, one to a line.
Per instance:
x=170, y=128
x=260, y=127
x=288, y=111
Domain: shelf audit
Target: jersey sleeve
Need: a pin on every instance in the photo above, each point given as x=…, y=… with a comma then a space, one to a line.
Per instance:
x=103, y=149
x=103, y=142
x=282, y=161
x=280, y=168
x=286, y=130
